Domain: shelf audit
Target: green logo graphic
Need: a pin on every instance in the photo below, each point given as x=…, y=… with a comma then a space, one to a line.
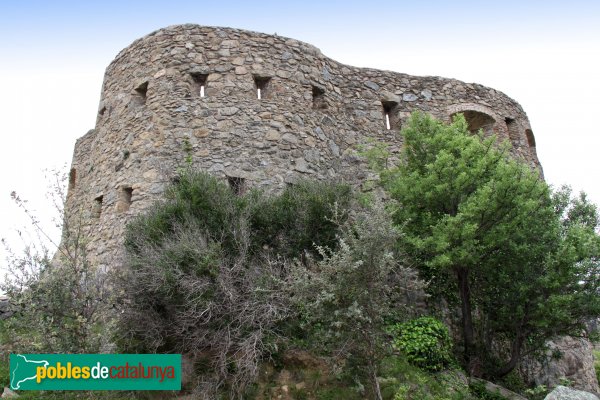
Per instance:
x=95, y=371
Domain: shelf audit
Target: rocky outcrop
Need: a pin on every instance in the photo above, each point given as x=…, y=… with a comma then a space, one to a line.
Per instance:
x=565, y=393
x=8, y=394
x=575, y=364
x=5, y=310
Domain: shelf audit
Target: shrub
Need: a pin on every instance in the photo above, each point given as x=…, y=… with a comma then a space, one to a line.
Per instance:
x=61, y=302
x=207, y=273
x=425, y=342
x=352, y=290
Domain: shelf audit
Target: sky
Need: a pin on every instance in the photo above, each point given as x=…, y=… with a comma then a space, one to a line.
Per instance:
x=544, y=54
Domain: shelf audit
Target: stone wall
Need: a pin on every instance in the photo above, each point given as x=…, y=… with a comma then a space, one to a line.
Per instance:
x=192, y=91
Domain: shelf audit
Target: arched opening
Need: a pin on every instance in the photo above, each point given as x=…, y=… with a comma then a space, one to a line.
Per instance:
x=477, y=120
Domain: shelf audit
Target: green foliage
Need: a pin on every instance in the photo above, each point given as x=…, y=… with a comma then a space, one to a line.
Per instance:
x=4, y=370
x=478, y=389
x=288, y=224
x=425, y=342
x=351, y=292
x=60, y=302
x=403, y=381
x=208, y=272
x=487, y=231
x=537, y=393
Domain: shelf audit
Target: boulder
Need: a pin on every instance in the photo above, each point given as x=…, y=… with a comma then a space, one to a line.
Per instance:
x=8, y=394
x=565, y=393
x=5, y=310
x=576, y=364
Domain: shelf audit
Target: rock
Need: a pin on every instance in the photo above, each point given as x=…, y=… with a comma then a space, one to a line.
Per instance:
x=5, y=310
x=409, y=97
x=272, y=135
x=8, y=394
x=390, y=97
x=576, y=364
x=372, y=85
x=493, y=388
x=301, y=165
x=565, y=393
x=228, y=111
x=335, y=150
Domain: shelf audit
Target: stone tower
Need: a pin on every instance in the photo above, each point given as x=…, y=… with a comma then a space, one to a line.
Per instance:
x=254, y=109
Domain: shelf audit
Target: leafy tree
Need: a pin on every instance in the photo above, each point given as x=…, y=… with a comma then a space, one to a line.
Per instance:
x=486, y=230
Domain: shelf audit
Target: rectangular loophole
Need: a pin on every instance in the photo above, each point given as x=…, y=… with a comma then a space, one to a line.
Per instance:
x=318, y=98
x=142, y=92
x=72, y=178
x=513, y=131
x=262, y=86
x=390, y=113
x=237, y=184
x=97, y=206
x=124, y=200
x=199, y=80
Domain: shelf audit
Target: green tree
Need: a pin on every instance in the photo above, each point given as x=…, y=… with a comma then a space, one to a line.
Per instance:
x=486, y=230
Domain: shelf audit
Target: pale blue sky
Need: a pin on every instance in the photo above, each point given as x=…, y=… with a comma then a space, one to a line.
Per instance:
x=544, y=54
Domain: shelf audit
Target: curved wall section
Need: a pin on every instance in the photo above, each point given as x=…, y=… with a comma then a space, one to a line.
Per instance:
x=257, y=109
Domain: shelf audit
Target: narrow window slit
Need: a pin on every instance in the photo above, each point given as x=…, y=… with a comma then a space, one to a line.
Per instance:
x=318, y=98
x=97, y=206
x=199, y=83
x=390, y=113
x=262, y=86
x=237, y=184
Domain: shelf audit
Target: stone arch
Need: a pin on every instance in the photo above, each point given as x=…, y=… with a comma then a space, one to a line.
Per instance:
x=477, y=116
x=477, y=120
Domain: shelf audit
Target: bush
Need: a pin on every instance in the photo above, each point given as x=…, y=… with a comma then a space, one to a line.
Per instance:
x=351, y=291
x=425, y=342
x=207, y=273
x=61, y=302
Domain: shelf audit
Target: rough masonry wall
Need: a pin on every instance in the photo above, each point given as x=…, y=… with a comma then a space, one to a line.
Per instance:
x=192, y=91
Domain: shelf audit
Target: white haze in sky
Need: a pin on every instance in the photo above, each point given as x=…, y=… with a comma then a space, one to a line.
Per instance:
x=545, y=55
